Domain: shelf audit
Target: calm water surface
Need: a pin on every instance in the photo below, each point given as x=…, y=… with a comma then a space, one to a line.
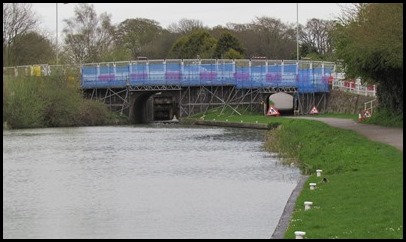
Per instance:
x=150, y=181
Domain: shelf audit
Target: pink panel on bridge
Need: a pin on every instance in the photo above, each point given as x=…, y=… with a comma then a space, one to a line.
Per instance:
x=106, y=77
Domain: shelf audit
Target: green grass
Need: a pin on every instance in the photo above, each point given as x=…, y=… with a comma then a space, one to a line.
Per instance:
x=231, y=116
x=250, y=116
x=353, y=205
x=363, y=197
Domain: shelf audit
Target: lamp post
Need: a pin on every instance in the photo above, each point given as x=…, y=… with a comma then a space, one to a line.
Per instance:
x=57, y=33
x=297, y=32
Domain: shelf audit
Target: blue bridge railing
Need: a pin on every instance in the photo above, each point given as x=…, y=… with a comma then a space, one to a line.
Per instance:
x=306, y=76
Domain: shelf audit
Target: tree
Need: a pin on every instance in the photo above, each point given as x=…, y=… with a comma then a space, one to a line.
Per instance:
x=218, y=30
x=88, y=37
x=138, y=35
x=198, y=43
x=162, y=45
x=226, y=42
x=275, y=39
x=306, y=49
x=33, y=48
x=18, y=19
x=248, y=37
x=369, y=39
x=266, y=37
x=185, y=26
x=177, y=48
x=232, y=54
x=316, y=35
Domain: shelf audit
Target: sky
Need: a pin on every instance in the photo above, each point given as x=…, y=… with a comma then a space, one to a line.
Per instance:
x=211, y=14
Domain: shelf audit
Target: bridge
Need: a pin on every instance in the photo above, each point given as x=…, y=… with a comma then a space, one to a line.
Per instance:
x=148, y=90
x=184, y=87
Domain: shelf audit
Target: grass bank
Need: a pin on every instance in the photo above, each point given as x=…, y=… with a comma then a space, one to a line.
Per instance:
x=51, y=101
x=363, y=195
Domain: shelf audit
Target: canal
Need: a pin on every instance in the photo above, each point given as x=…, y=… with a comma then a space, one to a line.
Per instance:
x=142, y=181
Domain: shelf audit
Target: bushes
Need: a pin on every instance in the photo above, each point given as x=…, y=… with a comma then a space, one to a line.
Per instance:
x=385, y=118
x=22, y=106
x=61, y=102
x=34, y=102
x=93, y=113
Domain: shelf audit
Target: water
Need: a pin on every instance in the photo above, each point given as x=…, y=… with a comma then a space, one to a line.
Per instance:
x=142, y=182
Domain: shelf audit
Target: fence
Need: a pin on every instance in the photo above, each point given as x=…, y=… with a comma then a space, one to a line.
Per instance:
x=369, y=106
x=354, y=87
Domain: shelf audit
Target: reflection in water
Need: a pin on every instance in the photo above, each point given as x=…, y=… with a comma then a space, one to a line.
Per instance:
x=141, y=182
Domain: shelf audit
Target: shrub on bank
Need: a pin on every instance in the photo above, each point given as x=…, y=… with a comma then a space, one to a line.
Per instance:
x=35, y=102
x=61, y=102
x=385, y=118
x=92, y=113
x=22, y=106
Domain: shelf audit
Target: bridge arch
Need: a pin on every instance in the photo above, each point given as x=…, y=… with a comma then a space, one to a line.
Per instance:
x=153, y=105
x=140, y=112
x=282, y=100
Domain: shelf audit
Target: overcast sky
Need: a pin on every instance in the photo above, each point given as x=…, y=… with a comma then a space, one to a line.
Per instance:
x=211, y=14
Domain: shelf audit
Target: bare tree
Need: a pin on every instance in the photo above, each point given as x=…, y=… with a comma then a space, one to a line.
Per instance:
x=316, y=35
x=88, y=36
x=185, y=26
x=266, y=36
x=18, y=19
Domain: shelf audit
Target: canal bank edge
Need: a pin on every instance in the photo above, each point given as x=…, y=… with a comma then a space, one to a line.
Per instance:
x=235, y=125
x=289, y=207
